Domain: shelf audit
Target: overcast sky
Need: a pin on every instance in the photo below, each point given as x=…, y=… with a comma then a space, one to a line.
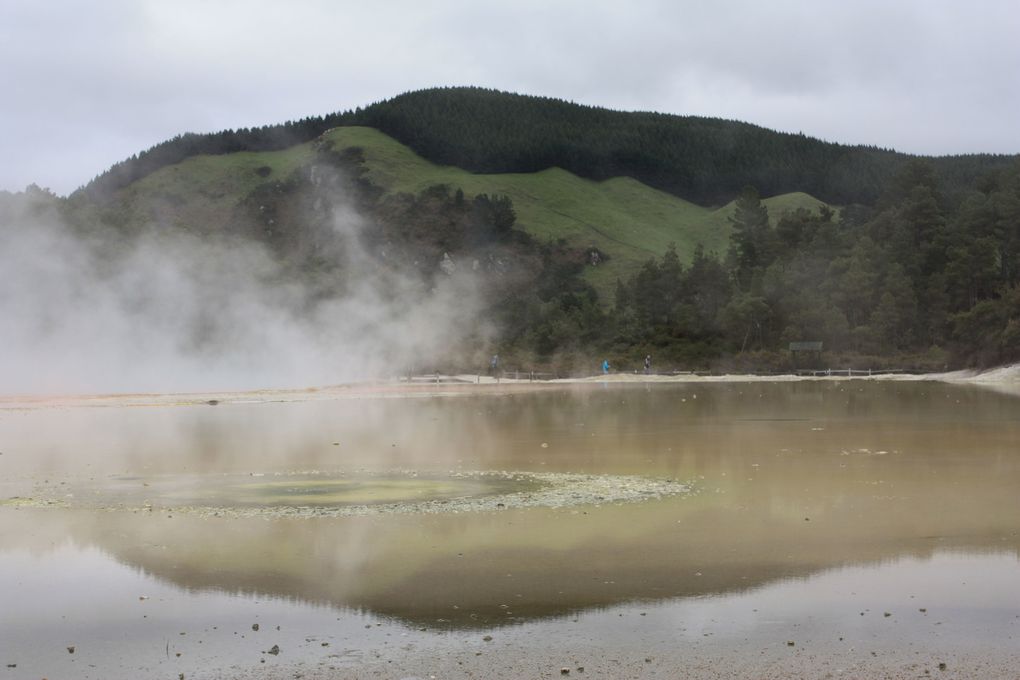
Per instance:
x=86, y=83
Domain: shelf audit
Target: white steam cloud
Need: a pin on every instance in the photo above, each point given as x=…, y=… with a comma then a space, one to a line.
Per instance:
x=168, y=311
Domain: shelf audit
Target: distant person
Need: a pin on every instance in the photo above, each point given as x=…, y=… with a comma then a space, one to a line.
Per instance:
x=605, y=367
x=494, y=365
x=648, y=364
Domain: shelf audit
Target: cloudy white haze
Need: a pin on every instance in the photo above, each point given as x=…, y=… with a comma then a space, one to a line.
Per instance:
x=87, y=84
x=168, y=312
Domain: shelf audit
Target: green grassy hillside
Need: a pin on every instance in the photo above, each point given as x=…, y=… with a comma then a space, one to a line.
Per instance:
x=201, y=192
x=623, y=218
x=705, y=160
x=718, y=220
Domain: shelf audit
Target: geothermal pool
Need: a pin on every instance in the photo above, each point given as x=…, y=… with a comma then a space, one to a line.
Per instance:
x=795, y=529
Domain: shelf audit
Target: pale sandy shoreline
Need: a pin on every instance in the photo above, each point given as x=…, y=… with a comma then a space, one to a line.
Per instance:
x=1005, y=379
x=663, y=662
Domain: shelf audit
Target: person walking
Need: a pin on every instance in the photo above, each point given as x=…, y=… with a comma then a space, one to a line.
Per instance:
x=648, y=364
x=605, y=367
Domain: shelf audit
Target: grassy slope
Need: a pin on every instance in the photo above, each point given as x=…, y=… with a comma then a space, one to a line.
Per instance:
x=777, y=206
x=201, y=191
x=624, y=218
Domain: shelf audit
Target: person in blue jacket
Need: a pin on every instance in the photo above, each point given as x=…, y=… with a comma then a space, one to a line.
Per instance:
x=605, y=367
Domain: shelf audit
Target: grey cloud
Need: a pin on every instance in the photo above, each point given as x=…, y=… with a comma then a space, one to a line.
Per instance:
x=97, y=82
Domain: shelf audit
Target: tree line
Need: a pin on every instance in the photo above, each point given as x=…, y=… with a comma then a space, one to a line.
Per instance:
x=915, y=280
x=923, y=277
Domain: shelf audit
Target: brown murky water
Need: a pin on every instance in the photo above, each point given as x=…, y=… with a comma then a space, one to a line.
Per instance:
x=875, y=526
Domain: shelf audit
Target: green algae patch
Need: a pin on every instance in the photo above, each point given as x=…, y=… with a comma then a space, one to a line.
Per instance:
x=373, y=490
x=29, y=502
x=341, y=494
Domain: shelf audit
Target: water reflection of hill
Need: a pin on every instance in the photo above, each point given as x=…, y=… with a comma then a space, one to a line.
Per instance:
x=795, y=478
x=484, y=570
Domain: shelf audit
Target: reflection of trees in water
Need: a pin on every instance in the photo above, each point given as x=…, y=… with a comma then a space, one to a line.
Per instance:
x=443, y=432
x=626, y=407
x=796, y=478
x=506, y=567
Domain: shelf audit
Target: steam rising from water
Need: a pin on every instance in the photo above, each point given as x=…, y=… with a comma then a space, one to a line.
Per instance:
x=169, y=311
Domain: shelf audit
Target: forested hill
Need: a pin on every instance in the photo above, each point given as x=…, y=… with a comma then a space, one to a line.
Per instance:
x=705, y=160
